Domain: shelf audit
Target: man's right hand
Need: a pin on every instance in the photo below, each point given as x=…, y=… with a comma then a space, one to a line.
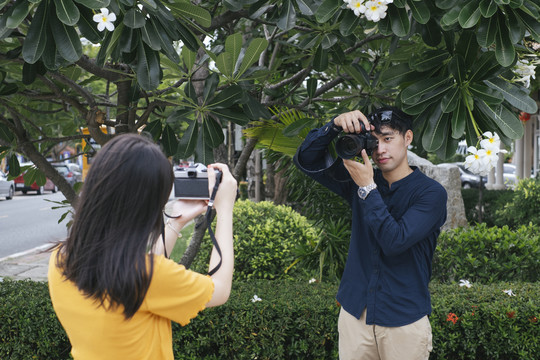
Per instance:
x=350, y=122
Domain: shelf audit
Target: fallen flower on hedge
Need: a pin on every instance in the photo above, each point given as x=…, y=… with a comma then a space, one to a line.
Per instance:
x=509, y=292
x=465, y=283
x=312, y=281
x=452, y=317
x=511, y=314
x=256, y=298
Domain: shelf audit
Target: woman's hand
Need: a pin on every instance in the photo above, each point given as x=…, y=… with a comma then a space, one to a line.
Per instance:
x=226, y=194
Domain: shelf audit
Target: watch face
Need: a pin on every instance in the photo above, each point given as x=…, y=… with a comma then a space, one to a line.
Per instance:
x=362, y=193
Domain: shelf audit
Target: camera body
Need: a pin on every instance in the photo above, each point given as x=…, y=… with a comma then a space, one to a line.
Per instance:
x=351, y=145
x=192, y=183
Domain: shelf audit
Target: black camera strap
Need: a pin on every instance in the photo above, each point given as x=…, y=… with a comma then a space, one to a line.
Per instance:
x=209, y=222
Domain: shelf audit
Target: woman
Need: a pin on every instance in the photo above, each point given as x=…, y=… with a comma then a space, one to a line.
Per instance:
x=113, y=296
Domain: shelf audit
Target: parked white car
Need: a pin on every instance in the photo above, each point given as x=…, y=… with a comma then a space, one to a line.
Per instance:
x=7, y=187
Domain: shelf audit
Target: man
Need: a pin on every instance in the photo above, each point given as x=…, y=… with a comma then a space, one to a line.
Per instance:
x=397, y=213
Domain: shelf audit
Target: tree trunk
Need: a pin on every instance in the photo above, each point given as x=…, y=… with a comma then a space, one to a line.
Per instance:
x=196, y=240
x=280, y=192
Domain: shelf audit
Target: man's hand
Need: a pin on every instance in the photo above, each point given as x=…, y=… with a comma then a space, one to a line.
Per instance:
x=350, y=122
x=362, y=174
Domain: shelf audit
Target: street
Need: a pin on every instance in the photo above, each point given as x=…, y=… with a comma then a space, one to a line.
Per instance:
x=27, y=221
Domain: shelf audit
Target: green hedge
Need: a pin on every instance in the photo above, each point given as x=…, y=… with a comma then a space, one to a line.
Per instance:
x=488, y=254
x=493, y=201
x=265, y=237
x=295, y=321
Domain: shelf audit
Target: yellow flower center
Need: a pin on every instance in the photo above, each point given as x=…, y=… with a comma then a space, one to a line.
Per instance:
x=476, y=156
x=104, y=19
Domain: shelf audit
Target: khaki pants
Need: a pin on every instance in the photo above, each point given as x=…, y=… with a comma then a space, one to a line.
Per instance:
x=358, y=341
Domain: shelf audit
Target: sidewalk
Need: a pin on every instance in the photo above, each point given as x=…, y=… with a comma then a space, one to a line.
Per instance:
x=32, y=264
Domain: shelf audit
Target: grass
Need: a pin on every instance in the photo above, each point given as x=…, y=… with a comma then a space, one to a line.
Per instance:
x=182, y=243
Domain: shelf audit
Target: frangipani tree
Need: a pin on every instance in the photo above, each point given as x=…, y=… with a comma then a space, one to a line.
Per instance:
x=184, y=71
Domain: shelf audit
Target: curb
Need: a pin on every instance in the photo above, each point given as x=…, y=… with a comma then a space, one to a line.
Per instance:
x=26, y=252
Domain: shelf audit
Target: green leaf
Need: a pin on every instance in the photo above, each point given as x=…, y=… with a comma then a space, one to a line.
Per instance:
x=486, y=94
x=320, y=60
x=184, y=8
x=486, y=32
x=233, y=46
x=468, y=47
x=532, y=24
x=397, y=75
x=254, y=109
x=154, y=129
x=68, y=43
x=297, y=126
x=212, y=132
x=485, y=67
x=147, y=68
x=349, y=23
x=88, y=27
x=451, y=17
x=414, y=92
x=254, y=50
x=29, y=72
x=358, y=73
x=459, y=120
x=150, y=36
x=514, y=95
x=488, y=8
x=516, y=28
x=187, y=37
x=436, y=130
x=456, y=66
x=327, y=9
x=67, y=12
x=447, y=149
x=506, y=121
x=504, y=50
x=36, y=38
x=225, y=64
x=187, y=143
x=134, y=19
x=226, y=98
x=237, y=117
x=420, y=11
x=16, y=14
x=306, y=8
x=210, y=86
x=94, y=4
x=287, y=16
x=6, y=134
x=311, y=87
x=469, y=15
x=450, y=100
x=399, y=20
x=189, y=58
x=168, y=140
x=328, y=40
x=431, y=33
x=203, y=150
x=14, y=166
x=429, y=60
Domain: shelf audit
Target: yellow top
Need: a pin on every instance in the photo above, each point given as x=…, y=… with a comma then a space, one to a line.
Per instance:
x=96, y=333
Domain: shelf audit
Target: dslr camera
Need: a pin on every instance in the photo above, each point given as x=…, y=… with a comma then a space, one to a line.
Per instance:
x=351, y=145
x=192, y=183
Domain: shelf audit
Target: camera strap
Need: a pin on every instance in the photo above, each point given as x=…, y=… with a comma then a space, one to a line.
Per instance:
x=209, y=222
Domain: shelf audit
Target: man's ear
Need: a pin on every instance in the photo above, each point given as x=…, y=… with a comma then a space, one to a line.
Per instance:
x=408, y=137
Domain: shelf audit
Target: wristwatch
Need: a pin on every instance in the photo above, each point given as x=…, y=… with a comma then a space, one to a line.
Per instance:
x=363, y=191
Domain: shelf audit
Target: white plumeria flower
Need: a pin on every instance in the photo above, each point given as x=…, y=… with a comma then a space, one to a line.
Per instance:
x=357, y=6
x=465, y=283
x=375, y=10
x=509, y=292
x=256, y=298
x=525, y=71
x=492, y=141
x=105, y=20
x=476, y=162
x=312, y=281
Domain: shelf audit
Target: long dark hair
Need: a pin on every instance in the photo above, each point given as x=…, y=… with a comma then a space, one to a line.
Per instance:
x=117, y=218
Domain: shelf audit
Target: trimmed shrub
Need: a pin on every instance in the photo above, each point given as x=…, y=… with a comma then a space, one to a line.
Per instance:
x=524, y=207
x=265, y=237
x=488, y=254
x=296, y=321
x=29, y=328
x=493, y=200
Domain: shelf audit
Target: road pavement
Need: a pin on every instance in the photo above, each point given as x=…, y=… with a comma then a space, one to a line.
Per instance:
x=31, y=264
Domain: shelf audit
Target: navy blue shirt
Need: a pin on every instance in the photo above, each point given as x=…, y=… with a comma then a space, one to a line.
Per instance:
x=394, y=235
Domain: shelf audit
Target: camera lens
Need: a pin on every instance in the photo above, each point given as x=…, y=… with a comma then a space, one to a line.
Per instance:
x=349, y=146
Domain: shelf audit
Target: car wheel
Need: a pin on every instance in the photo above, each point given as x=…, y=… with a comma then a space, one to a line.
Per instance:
x=40, y=190
x=24, y=192
x=11, y=193
x=54, y=189
x=466, y=185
